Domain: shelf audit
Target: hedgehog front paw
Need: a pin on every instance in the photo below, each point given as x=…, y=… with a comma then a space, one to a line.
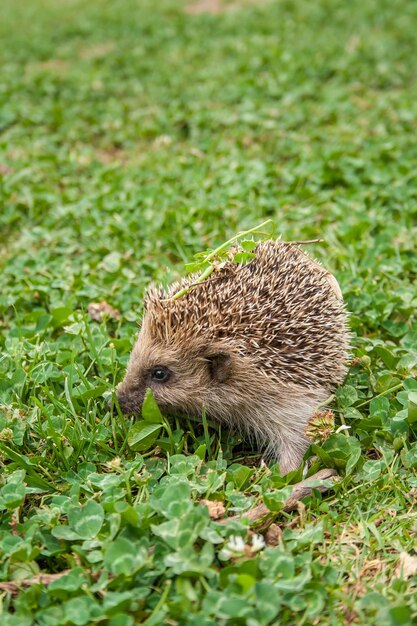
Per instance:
x=290, y=458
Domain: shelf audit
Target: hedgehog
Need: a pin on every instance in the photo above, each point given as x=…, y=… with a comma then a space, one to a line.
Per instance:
x=257, y=346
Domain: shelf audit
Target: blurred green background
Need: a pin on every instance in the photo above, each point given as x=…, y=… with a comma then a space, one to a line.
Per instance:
x=136, y=133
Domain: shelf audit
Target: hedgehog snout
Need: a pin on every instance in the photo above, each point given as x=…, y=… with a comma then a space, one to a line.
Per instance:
x=129, y=401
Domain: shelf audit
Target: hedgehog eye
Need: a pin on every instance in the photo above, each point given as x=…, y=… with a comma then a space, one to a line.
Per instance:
x=160, y=374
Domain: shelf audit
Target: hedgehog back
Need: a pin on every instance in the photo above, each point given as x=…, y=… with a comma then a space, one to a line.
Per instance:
x=279, y=309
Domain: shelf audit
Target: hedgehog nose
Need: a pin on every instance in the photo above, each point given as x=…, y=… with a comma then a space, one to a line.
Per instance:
x=122, y=401
x=129, y=403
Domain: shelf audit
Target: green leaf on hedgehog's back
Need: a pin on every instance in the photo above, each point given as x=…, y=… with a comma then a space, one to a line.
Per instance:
x=243, y=257
x=248, y=245
x=196, y=266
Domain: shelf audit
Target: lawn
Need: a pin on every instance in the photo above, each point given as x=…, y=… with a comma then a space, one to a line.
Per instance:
x=134, y=134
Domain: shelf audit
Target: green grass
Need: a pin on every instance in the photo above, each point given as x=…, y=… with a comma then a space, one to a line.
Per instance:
x=132, y=135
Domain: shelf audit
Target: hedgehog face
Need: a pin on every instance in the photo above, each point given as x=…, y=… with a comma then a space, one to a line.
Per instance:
x=182, y=378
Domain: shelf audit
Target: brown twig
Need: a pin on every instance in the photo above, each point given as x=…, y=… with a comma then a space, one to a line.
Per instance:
x=300, y=490
x=41, y=579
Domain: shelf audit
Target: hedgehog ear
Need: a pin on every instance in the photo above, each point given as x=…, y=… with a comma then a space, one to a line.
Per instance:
x=220, y=365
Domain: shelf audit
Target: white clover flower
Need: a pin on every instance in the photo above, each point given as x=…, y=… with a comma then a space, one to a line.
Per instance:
x=258, y=543
x=234, y=547
x=236, y=544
